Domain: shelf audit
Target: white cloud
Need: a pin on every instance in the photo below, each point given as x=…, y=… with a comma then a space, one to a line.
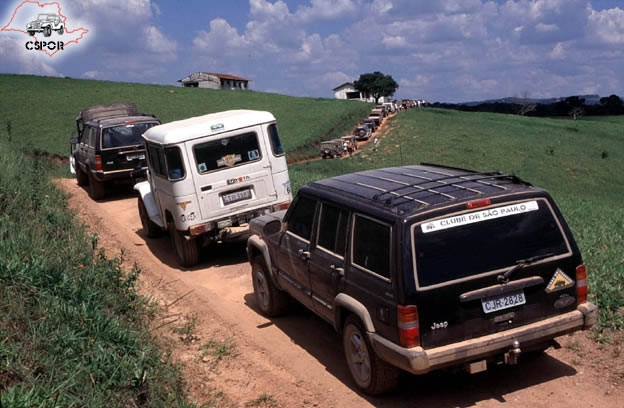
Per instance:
x=15, y=60
x=607, y=26
x=326, y=10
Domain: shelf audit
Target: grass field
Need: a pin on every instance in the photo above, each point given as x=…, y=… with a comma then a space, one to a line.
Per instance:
x=580, y=163
x=41, y=111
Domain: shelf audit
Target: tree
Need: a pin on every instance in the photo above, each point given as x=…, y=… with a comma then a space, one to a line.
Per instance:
x=612, y=105
x=376, y=85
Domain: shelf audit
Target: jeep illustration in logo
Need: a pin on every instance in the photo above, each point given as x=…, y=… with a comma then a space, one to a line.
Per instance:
x=46, y=23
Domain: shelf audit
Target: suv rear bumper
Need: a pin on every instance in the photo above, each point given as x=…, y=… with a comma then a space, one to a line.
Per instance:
x=121, y=176
x=417, y=360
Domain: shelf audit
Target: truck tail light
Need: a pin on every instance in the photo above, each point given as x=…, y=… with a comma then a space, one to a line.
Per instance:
x=409, y=328
x=98, y=162
x=281, y=206
x=581, y=283
x=478, y=203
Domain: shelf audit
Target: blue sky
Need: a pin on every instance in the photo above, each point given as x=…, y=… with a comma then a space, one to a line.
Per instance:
x=447, y=50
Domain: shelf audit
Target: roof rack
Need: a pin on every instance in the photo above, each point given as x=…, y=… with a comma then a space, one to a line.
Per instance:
x=461, y=180
x=113, y=110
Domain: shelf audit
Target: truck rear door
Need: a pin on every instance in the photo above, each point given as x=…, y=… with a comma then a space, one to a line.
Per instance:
x=232, y=172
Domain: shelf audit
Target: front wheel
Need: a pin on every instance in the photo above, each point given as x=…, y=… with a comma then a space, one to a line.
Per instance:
x=151, y=229
x=60, y=31
x=371, y=374
x=187, y=250
x=81, y=177
x=47, y=31
x=271, y=301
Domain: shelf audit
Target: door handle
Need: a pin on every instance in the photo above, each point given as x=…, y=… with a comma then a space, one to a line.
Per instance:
x=305, y=255
x=337, y=270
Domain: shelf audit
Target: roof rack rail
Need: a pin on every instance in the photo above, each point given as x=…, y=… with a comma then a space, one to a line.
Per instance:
x=476, y=177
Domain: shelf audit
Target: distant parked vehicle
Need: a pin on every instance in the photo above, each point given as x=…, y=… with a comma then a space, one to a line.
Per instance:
x=362, y=131
x=371, y=123
x=332, y=148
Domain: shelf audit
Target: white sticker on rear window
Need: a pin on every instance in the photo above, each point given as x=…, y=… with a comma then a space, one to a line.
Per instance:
x=479, y=216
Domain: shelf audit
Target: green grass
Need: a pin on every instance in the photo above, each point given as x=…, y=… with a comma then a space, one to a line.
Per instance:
x=42, y=110
x=565, y=157
x=73, y=331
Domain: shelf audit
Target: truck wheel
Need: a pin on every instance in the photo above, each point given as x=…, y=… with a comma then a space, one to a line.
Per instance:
x=362, y=133
x=47, y=31
x=60, y=31
x=96, y=188
x=186, y=250
x=81, y=177
x=151, y=229
x=31, y=33
x=371, y=374
x=271, y=301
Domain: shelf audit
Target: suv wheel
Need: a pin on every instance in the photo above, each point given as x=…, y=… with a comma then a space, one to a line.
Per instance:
x=187, y=250
x=371, y=374
x=81, y=177
x=271, y=301
x=151, y=229
x=96, y=188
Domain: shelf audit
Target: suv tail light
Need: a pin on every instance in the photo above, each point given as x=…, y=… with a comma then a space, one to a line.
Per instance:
x=409, y=328
x=98, y=162
x=281, y=206
x=581, y=283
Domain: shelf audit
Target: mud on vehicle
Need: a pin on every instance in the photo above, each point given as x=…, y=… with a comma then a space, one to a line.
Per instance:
x=209, y=176
x=424, y=267
x=107, y=146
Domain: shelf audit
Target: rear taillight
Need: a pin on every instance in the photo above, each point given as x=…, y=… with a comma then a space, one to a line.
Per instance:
x=98, y=162
x=478, y=203
x=281, y=206
x=581, y=283
x=409, y=328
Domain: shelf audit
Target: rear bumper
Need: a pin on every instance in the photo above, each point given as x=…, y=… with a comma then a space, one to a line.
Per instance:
x=119, y=176
x=417, y=360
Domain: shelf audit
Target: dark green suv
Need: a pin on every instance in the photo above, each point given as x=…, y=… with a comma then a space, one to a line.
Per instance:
x=424, y=267
x=108, y=146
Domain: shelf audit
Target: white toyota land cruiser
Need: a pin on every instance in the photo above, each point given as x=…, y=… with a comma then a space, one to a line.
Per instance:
x=209, y=176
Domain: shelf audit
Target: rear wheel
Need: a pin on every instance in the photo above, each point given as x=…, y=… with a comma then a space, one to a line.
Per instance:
x=187, y=250
x=97, y=189
x=81, y=177
x=151, y=229
x=271, y=301
x=47, y=31
x=371, y=374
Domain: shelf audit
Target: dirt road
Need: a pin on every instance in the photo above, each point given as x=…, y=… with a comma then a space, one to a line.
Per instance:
x=296, y=360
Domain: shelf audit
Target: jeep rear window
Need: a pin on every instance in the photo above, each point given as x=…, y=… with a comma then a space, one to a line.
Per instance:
x=445, y=253
x=124, y=135
x=227, y=152
x=276, y=143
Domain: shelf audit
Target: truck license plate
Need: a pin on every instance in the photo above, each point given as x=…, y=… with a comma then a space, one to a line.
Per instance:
x=496, y=303
x=236, y=196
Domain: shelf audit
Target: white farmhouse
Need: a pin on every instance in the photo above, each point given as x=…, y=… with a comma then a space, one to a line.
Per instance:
x=348, y=91
x=214, y=81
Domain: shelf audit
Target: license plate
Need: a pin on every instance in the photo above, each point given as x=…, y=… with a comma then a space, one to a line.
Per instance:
x=496, y=303
x=139, y=156
x=236, y=196
x=224, y=224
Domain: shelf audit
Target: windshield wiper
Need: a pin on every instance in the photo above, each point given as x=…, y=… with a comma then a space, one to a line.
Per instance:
x=520, y=264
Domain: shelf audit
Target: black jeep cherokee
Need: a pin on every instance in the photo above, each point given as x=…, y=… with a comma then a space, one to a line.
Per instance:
x=424, y=267
x=108, y=145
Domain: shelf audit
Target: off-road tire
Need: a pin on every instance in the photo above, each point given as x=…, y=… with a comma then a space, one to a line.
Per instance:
x=60, y=31
x=187, y=250
x=371, y=374
x=362, y=133
x=149, y=227
x=97, y=189
x=271, y=301
x=81, y=177
x=47, y=31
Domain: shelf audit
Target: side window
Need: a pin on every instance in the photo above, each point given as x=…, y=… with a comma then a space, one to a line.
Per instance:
x=175, y=167
x=332, y=228
x=372, y=246
x=156, y=159
x=93, y=137
x=276, y=143
x=301, y=217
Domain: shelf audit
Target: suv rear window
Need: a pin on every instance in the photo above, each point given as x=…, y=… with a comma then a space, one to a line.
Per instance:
x=124, y=135
x=462, y=245
x=227, y=152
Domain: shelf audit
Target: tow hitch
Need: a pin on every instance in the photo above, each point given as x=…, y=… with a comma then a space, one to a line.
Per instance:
x=511, y=357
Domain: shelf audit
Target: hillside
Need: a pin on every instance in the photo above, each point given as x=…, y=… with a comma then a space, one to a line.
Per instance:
x=40, y=111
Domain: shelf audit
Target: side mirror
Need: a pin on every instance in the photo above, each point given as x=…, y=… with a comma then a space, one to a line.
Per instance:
x=73, y=140
x=272, y=227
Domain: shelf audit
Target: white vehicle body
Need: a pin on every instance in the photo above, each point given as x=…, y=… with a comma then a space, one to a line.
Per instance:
x=210, y=175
